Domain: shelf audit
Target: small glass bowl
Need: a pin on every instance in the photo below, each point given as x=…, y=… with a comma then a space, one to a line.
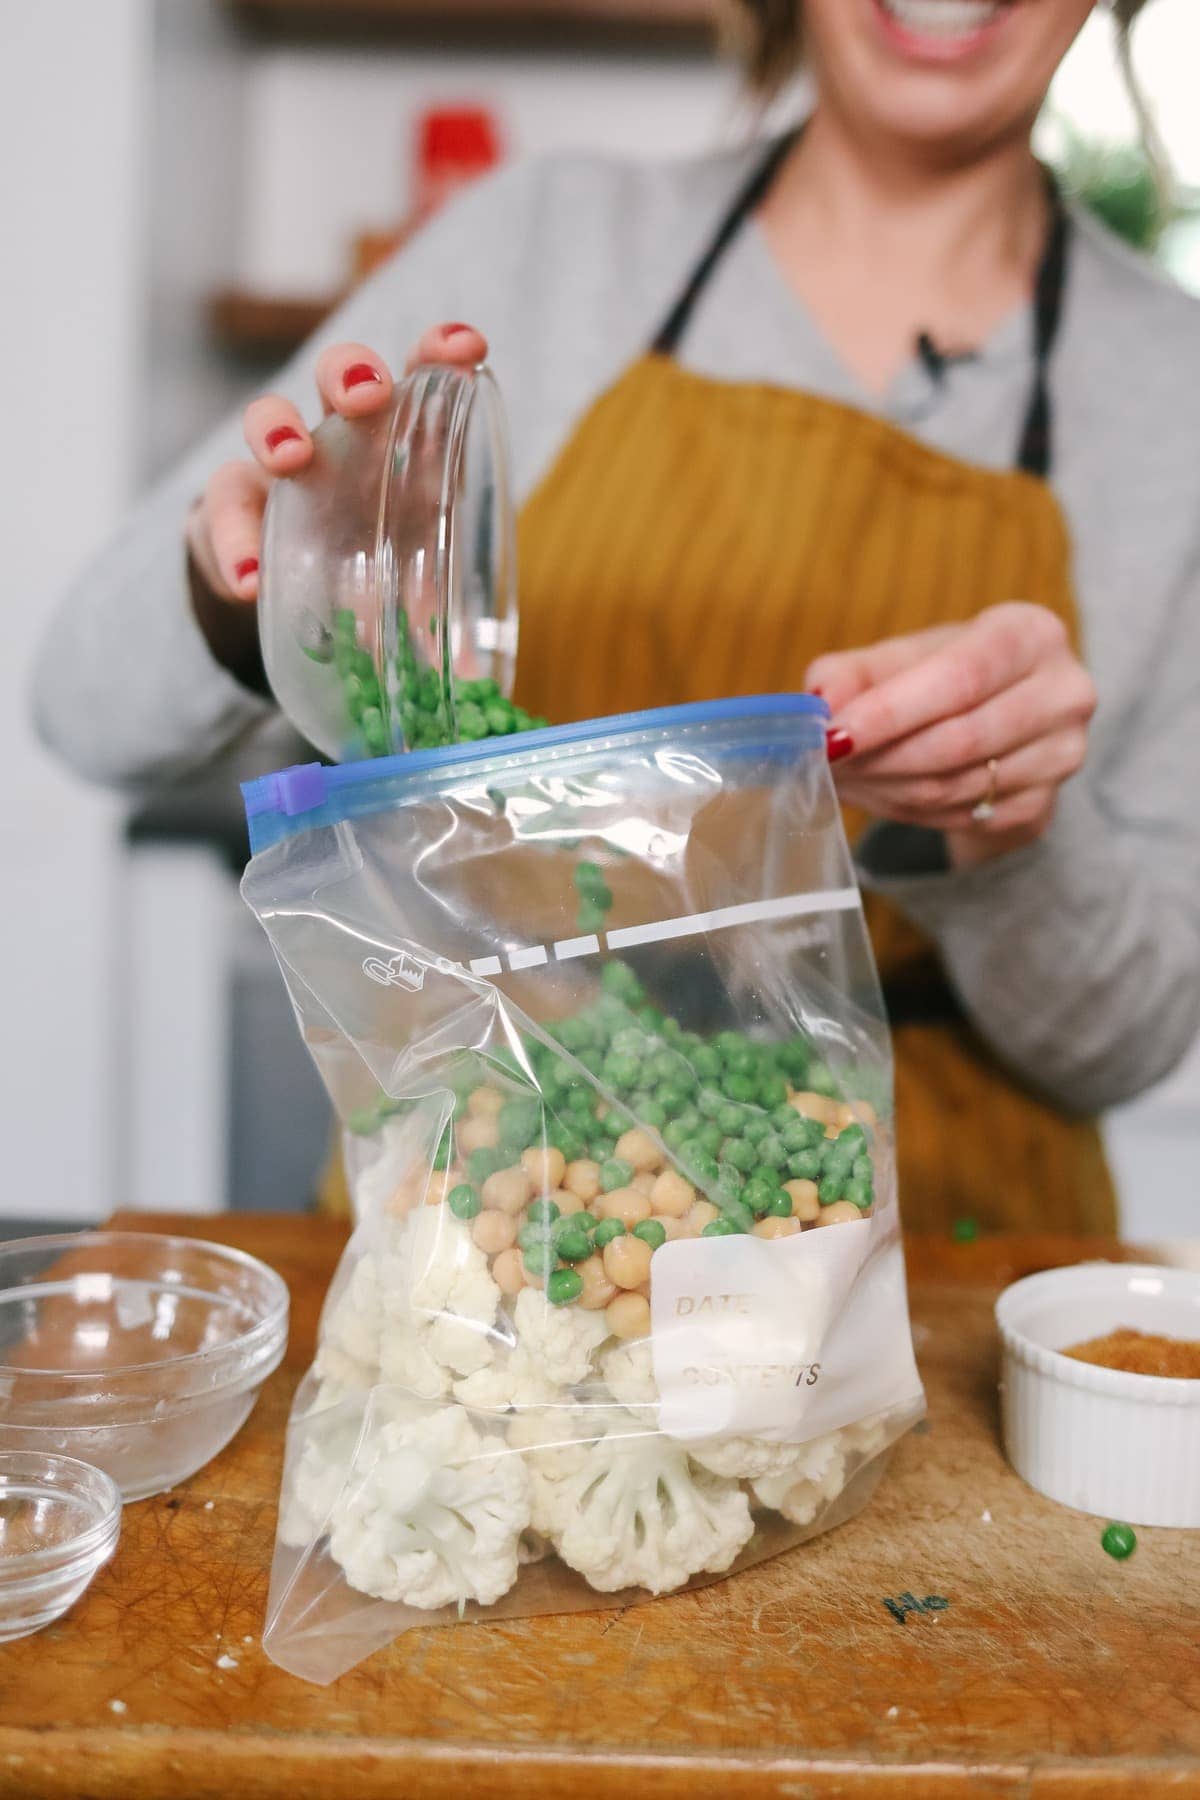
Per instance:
x=59, y=1524
x=138, y=1353
x=389, y=570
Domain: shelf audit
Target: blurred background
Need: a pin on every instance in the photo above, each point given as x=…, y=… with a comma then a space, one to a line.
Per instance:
x=189, y=185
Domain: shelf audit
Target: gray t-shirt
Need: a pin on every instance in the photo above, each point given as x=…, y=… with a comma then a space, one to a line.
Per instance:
x=1078, y=958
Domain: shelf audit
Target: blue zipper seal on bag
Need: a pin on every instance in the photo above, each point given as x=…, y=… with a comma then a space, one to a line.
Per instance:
x=282, y=804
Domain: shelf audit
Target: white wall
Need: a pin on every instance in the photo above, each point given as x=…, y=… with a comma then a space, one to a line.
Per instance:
x=71, y=150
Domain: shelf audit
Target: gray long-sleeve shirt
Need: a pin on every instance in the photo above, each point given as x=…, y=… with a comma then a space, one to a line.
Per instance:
x=1078, y=958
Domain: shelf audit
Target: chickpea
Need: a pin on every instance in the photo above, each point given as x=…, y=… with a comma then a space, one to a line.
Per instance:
x=703, y=1213
x=776, y=1228
x=628, y=1316
x=493, y=1232
x=814, y=1106
x=545, y=1168
x=508, y=1190
x=625, y=1204
x=485, y=1103
x=598, y=1290
x=671, y=1194
x=674, y=1228
x=402, y=1201
x=627, y=1261
x=477, y=1133
x=583, y=1178
x=806, y=1203
x=644, y=1182
x=861, y=1112
x=566, y=1201
x=508, y=1272
x=639, y=1149
x=842, y=1212
x=531, y=1278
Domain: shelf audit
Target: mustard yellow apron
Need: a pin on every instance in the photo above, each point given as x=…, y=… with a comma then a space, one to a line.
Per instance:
x=696, y=538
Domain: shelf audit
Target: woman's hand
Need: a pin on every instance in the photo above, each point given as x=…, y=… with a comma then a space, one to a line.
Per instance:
x=935, y=728
x=224, y=530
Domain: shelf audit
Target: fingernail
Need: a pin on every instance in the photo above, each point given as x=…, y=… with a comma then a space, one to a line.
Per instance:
x=819, y=692
x=455, y=330
x=247, y=566
x=282, y=434
x=838, y=743
x=357, y=373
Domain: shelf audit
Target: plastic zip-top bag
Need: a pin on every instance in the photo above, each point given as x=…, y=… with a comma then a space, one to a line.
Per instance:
x=624, y=1305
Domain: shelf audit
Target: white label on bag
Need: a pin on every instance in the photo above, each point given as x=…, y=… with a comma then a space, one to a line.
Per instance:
x=783, y=1338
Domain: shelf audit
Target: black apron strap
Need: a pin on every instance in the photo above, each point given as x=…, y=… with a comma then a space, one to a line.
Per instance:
x=667, y=337
x=1036, y=445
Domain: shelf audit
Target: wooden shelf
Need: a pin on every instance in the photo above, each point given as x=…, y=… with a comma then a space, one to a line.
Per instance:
x=264, y=324
x=690, y=21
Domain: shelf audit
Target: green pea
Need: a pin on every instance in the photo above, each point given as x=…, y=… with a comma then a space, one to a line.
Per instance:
x=710, y=1137
x=621, y=1070
x=672, y=1096
x=740, y=1087
x=828, y=1191
x=606, y=1231
x=730, y=1182
x=779, y=1206
x=520, y=1121
x=588, y=876
x=561, y=1137
x=1119, y=1541
x=755, y=1128
x=772, y=1092
x=805, y=1165
x=530, y=1236
x=860, y=1192
x=615, y=1122
x=650, y=1112
x=574, y=1246
x=742, y=1216
x=543, y=1212
x=741, y=1154
x=363, y=1122
x=862, y=1169
x=762, y=1181
x=651, y=1017
x=615, y=1173
x=677, y=1132
x=441, y=1156
x=619, y=980
x=783, y=1116
x=699, y=1161
x=539, y=1257
x=730, y=1119
x=582, y=1221
x=851, y=1142
x=709, y=1102
x=965, y=1231
x=770, y=1152
x=821, y=1080
x=463, y=1201
x=589, y=919
x=564, y=1286
x=651, y=1232
x=801, y=1134
x=482, y=1163
x=706, y=1063
x=721, y=1227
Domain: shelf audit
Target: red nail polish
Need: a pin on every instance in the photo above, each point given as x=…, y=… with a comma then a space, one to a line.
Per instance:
x=819, y=692
x=247, y=566
x=357, y=373
x=838, y=743
x=282, y=434
x=455, y=330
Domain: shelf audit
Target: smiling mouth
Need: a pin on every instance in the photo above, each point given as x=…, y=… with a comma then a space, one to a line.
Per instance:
x=948, y=24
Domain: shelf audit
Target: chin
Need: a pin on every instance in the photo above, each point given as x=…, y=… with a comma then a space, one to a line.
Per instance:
x=941, y=74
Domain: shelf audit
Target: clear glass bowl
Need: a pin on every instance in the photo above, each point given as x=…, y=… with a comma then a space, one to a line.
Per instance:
x=59, y=1524
x=389, y=569
x=138, y=1353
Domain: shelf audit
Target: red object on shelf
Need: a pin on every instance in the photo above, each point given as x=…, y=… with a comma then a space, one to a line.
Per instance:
x=455, y=145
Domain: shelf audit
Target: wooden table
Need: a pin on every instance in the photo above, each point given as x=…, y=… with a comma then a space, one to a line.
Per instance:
x=1052, y=1671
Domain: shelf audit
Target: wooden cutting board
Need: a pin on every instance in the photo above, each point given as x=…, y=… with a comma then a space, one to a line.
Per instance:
x=1049, y=1670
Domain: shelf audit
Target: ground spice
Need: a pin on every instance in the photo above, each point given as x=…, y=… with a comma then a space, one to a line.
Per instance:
x=1141, y=1353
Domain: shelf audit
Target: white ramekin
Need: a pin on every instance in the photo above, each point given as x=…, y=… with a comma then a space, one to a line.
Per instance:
x=1123, y=1446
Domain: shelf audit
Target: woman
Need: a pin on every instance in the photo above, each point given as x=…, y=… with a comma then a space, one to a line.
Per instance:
x=867, y=408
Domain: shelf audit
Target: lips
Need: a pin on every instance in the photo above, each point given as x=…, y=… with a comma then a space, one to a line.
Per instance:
x=940, y=29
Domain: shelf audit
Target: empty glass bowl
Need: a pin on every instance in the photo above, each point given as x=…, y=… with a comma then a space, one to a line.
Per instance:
x=59, y=1524
x=138, y=1353
x=389, y=570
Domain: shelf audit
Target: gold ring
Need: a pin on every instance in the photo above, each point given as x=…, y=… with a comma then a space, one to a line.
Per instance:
x=986, y=808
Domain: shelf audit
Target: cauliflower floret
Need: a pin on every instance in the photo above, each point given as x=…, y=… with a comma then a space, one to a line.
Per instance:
x=351, y=1327
x=628, y=1372
x=376, y=1182
x=624, y=1505
x=432, y=1513
x=800, y=1491
x=515, y=1380
x=867, y=1437
x=561, y=1341
x=439, y=1274
x=314, y=1478
x=406, y=1362
x=339, y=1377
x=751, y=1458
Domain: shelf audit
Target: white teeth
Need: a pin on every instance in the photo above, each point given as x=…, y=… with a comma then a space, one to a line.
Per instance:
x=943, y=18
